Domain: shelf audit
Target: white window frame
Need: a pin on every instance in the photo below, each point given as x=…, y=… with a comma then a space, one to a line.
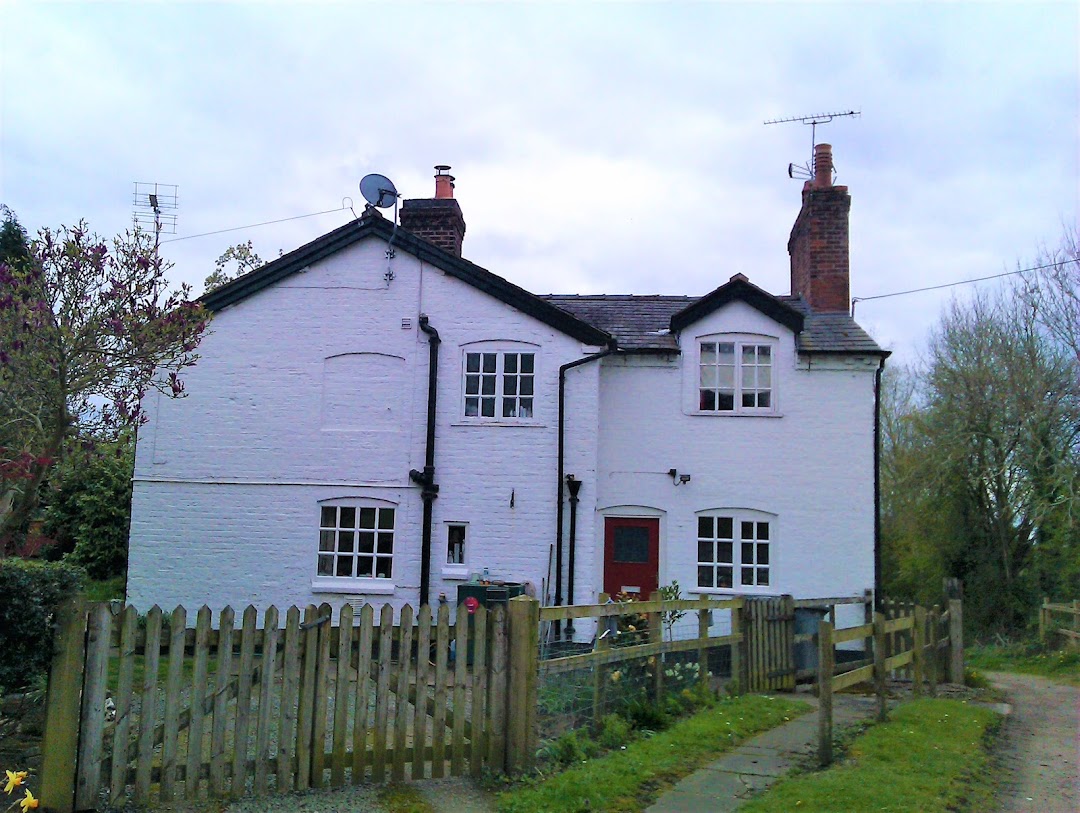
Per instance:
x=740, y=386
x=472, y=383
x=761, y=562
x=341, y=538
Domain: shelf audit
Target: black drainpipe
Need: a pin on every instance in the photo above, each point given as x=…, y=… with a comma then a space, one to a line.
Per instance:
x=426, y=478
x=877, y=486
x=559, y=491
x=575, y=486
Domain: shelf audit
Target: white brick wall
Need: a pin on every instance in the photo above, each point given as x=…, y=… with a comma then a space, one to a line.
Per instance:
x=228, y=479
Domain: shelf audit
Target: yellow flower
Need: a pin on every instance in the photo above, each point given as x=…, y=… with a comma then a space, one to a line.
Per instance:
x=14, y=779
x=615, y=677
x=29, y=802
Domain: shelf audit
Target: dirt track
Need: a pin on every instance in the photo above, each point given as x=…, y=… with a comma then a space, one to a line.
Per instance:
x=1040, y=748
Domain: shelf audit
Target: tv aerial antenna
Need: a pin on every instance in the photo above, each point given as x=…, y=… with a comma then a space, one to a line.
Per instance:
x=155, y=205
x=380, y=192
x=806, y=171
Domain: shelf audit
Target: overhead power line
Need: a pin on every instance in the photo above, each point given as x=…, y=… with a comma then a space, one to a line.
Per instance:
x=958, y=282
x=254, y=225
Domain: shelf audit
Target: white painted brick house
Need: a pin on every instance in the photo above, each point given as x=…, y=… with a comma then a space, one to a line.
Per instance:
x=580, y=443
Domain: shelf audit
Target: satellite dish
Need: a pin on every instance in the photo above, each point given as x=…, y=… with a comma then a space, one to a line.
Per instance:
x=378, y=190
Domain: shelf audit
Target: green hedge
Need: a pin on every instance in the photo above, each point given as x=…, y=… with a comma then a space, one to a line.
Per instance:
x=29, y=593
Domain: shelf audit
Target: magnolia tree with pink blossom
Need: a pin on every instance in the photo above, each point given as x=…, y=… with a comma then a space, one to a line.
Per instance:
x=86, y=331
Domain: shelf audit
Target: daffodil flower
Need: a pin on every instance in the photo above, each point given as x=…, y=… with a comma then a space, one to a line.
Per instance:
x=14, y=779
x=28, y=802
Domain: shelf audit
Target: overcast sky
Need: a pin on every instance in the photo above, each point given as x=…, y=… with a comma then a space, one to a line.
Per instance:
x=614, y=148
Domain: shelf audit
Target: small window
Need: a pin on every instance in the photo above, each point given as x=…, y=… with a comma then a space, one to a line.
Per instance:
x=455, y=544
x=356, y=542
x=499, y=385
x=733, y=551
x=735, y=377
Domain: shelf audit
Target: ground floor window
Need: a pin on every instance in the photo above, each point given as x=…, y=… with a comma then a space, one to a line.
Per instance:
x=356, y=541
x=455, y=544
x=733, y=550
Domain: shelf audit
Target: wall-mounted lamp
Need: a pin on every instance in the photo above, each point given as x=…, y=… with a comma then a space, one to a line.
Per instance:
x=678, y=479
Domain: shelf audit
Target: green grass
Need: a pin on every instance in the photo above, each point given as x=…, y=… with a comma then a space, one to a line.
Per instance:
x=1062, y=666
x=931, y=756
x=105, y=590
x=625, y=781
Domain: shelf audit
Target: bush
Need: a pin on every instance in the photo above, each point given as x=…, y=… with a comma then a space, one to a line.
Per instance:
x=614, y=732
x=30, y=592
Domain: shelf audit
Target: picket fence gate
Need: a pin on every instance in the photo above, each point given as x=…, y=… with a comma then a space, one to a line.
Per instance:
x=309, y=701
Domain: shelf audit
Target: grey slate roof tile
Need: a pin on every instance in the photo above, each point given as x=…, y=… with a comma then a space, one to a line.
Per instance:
x=643, y=323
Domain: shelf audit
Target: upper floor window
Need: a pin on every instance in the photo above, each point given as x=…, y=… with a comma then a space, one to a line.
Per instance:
x=735, y=376
x=733, y=550
x=356, y=541
x=499, y=385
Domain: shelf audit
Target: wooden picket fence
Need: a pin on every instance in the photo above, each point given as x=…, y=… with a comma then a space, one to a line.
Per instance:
x=308, y=701
x=925, y=645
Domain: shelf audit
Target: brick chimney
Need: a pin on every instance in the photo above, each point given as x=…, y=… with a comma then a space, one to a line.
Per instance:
x=818, y=244
x=437, y=220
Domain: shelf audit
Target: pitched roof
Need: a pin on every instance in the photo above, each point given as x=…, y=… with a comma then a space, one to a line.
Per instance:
x=739, y=288
x=643, y=323
x=376, y=225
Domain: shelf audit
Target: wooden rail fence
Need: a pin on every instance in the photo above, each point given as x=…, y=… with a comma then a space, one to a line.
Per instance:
x=1068, y=631
x=905, y=640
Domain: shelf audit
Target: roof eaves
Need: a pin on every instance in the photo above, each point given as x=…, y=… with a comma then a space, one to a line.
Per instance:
x=739, y=288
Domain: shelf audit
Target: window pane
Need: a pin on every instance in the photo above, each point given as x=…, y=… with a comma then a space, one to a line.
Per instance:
x=509, y=409
x=764, y=353
x=749, y=354
x=746, y=530
x=367, y=517
x=747, y=553
x=329, y=517
x=764, y=377
x=763, y=553
x=723, y=577
x=326, y=565
x=348, y=518
x=705, y=552
x=509, y=385
x=747, y=575
x=326, y=540
x=705, y=527
x=725, y=377
x=748, y=399
x=488, y=385
x=709, y=377
x=382, y=567
x=708, y=401
x=763, y=575
x=725, y=353
x=386, y=518
x=631, y=545
x=489, y=362
x=763, y=530
x=724, y=527
x=708, y=353
x=526, y=410
x=705, y=577
x=487, y=407
x=345, y=542
x=723, y=552
x=763, y=400
x=367, y=542
x=472, y=407
x=344, y=566
x=472, y=385
x=727, y=402
x=386, y=543
x=526, y=385
x=364, y=566
x=472, y=362
x=455, y=545
x=527, y=363
x=510, y=361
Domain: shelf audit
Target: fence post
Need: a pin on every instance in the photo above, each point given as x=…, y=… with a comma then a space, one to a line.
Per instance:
x=703, y=641
x=918, y=655
x=63, y=702
x=825, y=679
x=738, y=650
x=879, y=664
x=524, y=618
x=956, y=641
x=1043, y=626
x=656, y=636
x=934, y=661
x=603, y=643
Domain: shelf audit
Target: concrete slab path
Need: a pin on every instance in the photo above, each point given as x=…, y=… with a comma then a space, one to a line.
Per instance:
x=756, y=764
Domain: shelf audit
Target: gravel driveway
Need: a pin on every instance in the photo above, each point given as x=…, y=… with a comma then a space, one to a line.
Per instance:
x=1040, y=750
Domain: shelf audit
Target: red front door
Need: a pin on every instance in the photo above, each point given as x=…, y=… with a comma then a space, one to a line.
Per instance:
x=631, y=555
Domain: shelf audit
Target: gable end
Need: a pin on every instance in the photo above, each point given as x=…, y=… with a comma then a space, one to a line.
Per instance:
x=741, y=289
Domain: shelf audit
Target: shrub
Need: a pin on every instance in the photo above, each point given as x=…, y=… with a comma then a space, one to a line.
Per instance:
x=572, y=747
x=31, y=592
x=645, y=716
x=614, y=732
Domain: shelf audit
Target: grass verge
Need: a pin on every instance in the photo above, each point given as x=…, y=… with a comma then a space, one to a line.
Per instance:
x=931, y=756
x=628, y=780
x=397, y=798
x=1062, y=666
x=105, y=590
